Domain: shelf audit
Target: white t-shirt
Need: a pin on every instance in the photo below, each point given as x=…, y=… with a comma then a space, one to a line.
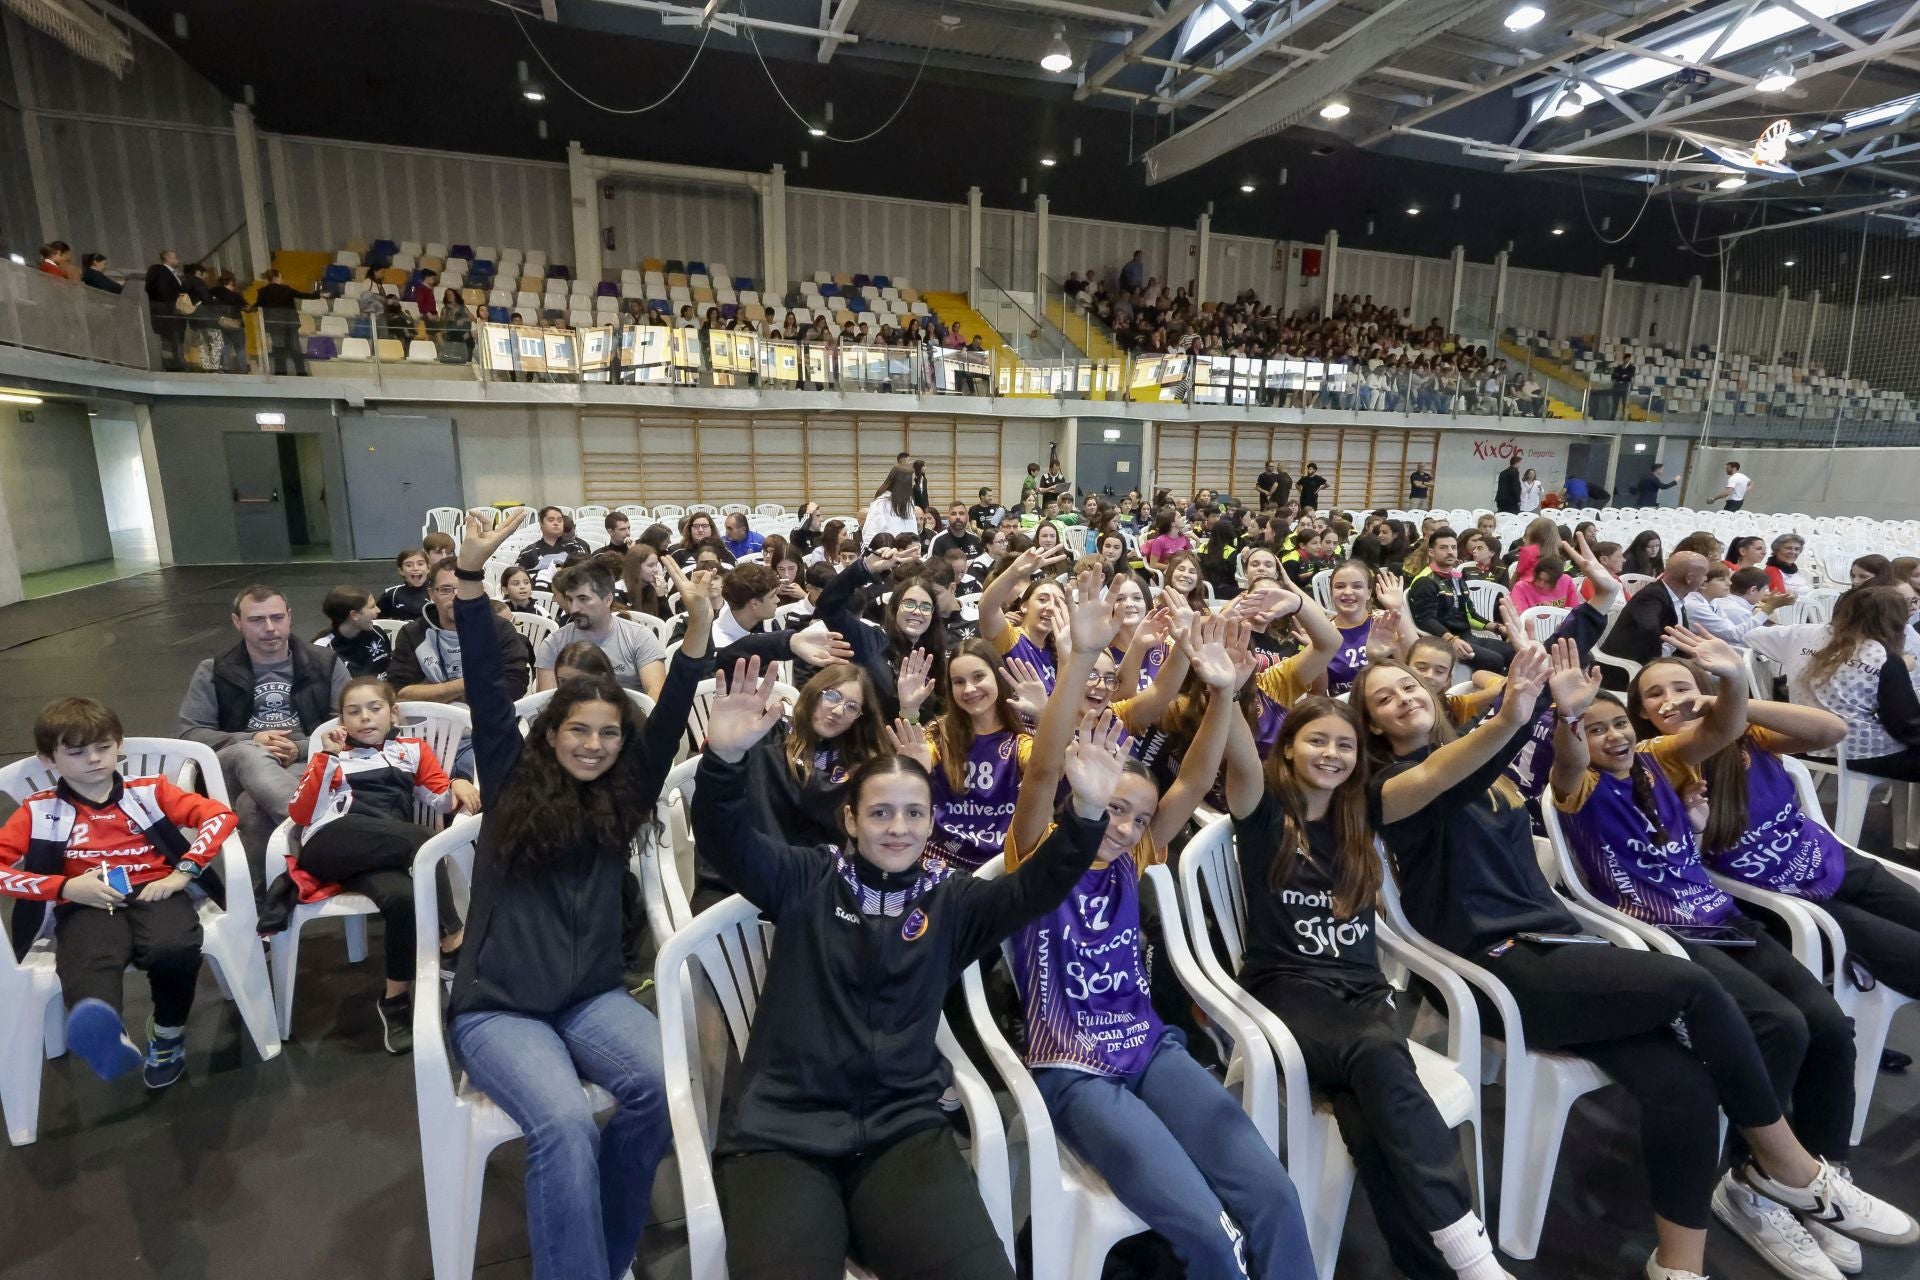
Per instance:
x=629, y=646
x=1852, y=692
x=1737, y=485
x=881, y=519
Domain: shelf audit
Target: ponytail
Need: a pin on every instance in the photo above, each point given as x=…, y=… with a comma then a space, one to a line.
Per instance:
x=1643, y=798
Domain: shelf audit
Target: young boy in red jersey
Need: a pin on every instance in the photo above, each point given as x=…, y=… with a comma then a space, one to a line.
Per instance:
x=114, y=856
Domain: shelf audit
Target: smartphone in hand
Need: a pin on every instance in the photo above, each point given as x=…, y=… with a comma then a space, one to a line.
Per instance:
x=119, y=879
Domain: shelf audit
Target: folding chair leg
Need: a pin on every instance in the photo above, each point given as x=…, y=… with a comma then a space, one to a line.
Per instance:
x=242, y=962
x=285, y=949
x=1872, y=1019
x=356, y=939
x=453, y=1179
x=1536, y=1123
x=21, y=1064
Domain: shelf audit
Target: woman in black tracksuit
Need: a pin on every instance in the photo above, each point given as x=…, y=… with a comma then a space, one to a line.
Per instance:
x=834, y=1143
x=540, y=995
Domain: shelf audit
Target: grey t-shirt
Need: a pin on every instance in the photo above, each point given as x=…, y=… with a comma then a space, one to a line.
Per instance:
x=273, y=698
x=629, y=646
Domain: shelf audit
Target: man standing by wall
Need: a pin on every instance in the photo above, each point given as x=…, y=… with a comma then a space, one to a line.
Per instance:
x=1506, y=491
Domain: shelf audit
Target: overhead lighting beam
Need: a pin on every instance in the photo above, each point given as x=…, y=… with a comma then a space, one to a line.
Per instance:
x=1156, y=30
x=686, y=16
x=836, y=30
x=1282, y=22
x=1091, y=13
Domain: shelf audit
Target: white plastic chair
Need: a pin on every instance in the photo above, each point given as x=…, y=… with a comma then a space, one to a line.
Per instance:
x=1808, y=927
x=1323, y=589
x=735, y=508
x=448, y=520
x=1074, y=1217
x=536, y=627
x=703, y=697
x=1485, y=597
x=592, y=513
x=772, y=510
x=637, y=514
x=33, y=1016
x=733, y=948
x=1317, y=1159
x=1541, y=1087
x=530, y=706
x=459, y=1125
x=1543, y=620
x=442, y=726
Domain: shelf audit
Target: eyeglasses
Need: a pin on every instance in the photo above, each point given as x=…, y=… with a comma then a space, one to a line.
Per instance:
x=834, y=700
x=1111, y=680
x=916, y=606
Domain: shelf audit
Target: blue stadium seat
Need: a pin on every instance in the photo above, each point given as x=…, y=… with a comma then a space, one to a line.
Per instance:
x=337, y=274
x=862, y=281
x=857, y=304
x=360, y=327
x=829, y=290
x=696, y=268
x=661, y=305
x=384, y=248
x=321, y=347
x=728, y=310
x=743, y=283
x=883, y=282
x=482, y=267
x=559, y=271
x=460, y=251
x=607, y=289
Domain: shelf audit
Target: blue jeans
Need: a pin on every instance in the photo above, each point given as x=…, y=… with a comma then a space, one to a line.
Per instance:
x=1181, y=1154
x=587, y=1190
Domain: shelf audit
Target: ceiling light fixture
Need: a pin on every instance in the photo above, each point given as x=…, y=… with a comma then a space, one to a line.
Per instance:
x=1559, y=231
x=530, y=89
x=1246, y=188
x=1779, y=76
x=1568, y=106
x=1058, y=57
x=1047, y=162
x=1789, y=262
x=815, y=131
x=1413, y=211
x=1733, y=183
x=19, y=397
x=1334, y=110
x=1887, y=276
x=1524, y=16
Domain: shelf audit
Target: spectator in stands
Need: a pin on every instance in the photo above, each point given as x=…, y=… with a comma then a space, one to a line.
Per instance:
x=1506, y=490
x=66, y=845
x=1871, y=571
x=742, y=541
x=56, y=259
x=93, y=274
x=454, y=323
x=407, y=598
x=1746, y=550
x=1622, y=390
x=279, y=306
x=1311, y=484
x=166, y=285
x=751, y=596
x=255, y=705
x=1548, y=584
x=695, y=530
x=586, y=592
x=1784, y=565
x=1738, y=485
x=1639, y=633
x=1647, y=489
x=556, y=543
x=1575, y=490
x=1275, y=486
x=1857, y=667
x=1134, y=274
x=350, y=632
x=1440, y=606
x=1169, y=538
x=422, y=296
x=893, y=512
x=956, y=534
x=228, y=331
x=1731, y=603
x=619, y=531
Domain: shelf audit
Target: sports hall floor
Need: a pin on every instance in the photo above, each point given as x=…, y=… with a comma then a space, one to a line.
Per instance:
x=307, y=1167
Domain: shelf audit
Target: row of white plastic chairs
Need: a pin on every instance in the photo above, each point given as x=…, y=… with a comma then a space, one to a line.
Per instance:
x=453, y=520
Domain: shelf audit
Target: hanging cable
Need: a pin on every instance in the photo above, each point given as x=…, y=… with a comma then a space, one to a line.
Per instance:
x=810, y=125
x=562, y=80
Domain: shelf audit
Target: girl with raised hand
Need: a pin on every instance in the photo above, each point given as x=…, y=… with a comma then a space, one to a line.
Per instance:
x=540, y=994
x=1184, y=580
x=1043, y=610
x=835, y=1144
x=975, y=754
x=1628, y=824
x=1462, y=845
x=1303, y=832
x=1355, y=591
x=1756, y=830
x=1119, y=1084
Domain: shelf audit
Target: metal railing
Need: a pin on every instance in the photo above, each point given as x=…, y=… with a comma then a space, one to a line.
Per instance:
x=44, y=312
x=1068, y=313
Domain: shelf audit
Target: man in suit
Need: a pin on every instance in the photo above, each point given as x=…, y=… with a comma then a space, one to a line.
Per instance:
x=165, y=283
x=1506, y=492
x=279, y=306
x=1655, y=607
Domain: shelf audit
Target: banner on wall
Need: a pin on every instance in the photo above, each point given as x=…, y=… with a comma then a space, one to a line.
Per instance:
x=1470, y=462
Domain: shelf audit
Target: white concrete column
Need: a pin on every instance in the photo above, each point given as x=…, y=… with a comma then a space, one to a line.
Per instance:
x=1458, y=259
x=583, y=184
x=1329, y=271
x=1039, y=249
x=38, y=178
x=156, y=489
x=974, y=246
x=246, y=141
x=10, y=589
x=1780, y=322
x=1813, y=324
x=1499, y=290
x=773, y=232
x=1606, y=303
x=1203, y=231
x=282, y=190
x=1693, y=313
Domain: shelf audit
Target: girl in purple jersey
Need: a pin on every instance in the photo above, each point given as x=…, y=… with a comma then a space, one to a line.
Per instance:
x=975, y=753
x=1043, y=609
x=1120, y=1086
x=1357, y=593
x=1757, y=832
x=1630, y=830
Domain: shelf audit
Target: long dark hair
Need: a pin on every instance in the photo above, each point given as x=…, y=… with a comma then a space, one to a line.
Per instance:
x=1724, y=772
x=1641, y=560
x=1638, y=774
x=1861, y=615
x=861, y=740
x=1375, y=744
x=933, y=640
x=1735, y=546
x=899, y=488
x=1356, y=870
x=544, y=815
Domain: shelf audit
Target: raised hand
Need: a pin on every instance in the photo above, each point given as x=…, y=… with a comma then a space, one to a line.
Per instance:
x=1095, y=615
x=1094, y=763
x=1029, y=688
x=1155, y=627
x=334, y=741
x=879, y=561
x=1383, y=632
x=915, y=681
x=816, y=646
x=1573, y=689
x=744, y=708
x=911, y=741
x=1240, y=650
x=1264, y=606
x=481, y=543
x=1034, y=559
x=1205, y=644
x=1389, y=591
x=1603, y=581
x=1526, y=677
x=696, y=593
x=1713, y=655
x=1180, y=610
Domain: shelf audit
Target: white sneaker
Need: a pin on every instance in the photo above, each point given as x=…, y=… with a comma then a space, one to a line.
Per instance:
x=1657, y=1272
x=1843, y=1253
x=1772, y=1231
x=1835, y=1202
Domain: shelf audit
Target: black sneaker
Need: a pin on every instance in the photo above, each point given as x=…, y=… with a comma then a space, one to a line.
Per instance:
x=166, y=1059
x=396, y=1023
